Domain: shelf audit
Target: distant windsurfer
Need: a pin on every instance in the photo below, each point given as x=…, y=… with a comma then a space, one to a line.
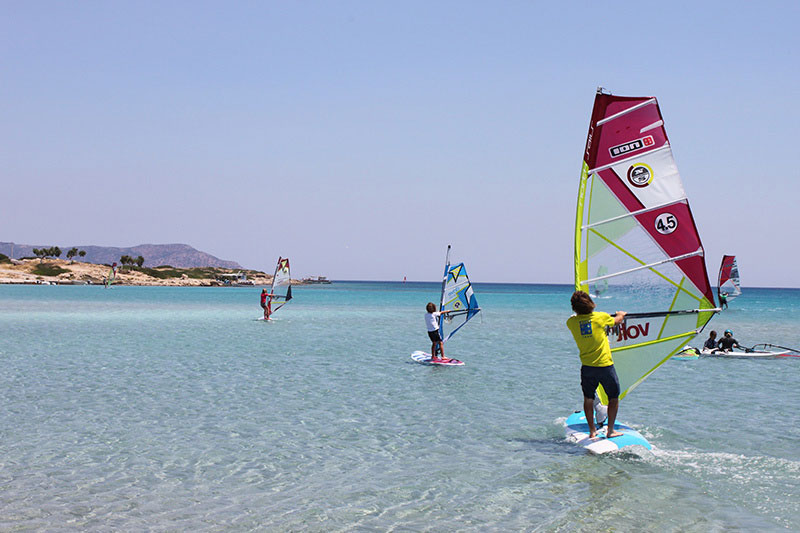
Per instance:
x=723, y=300
x=588, y=327
x=266, y=303
x=727, y=343
x=432, y=323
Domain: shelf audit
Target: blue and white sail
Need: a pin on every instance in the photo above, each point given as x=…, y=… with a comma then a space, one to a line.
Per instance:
x=457, y=297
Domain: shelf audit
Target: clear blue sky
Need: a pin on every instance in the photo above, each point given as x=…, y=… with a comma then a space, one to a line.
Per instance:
x=360, y=138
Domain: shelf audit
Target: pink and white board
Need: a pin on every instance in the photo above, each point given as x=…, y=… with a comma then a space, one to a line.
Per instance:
x=425, y=359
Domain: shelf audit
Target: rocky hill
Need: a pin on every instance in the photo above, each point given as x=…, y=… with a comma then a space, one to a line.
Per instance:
x=177, y=255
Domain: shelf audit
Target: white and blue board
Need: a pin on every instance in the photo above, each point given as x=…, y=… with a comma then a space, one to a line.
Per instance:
x=424, y=358
x=577, y=431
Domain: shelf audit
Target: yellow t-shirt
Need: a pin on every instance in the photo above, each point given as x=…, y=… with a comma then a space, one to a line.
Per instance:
x=590, y=336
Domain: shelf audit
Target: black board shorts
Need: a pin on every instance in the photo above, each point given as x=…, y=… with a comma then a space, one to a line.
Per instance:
x=592, y=376
x=434, y=336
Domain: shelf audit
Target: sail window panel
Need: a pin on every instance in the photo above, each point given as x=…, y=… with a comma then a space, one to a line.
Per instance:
x=620, y=246
x=602, y=204
x=675, y=281
x=609, y=234
x=687, y=296
x=660, y=285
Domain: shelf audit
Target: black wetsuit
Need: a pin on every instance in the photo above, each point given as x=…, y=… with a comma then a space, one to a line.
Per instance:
x=726, y=343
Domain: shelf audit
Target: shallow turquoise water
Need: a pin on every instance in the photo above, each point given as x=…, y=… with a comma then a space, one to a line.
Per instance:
x=174, y=409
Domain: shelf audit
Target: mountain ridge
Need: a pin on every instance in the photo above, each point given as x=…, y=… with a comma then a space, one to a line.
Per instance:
x=177, y=255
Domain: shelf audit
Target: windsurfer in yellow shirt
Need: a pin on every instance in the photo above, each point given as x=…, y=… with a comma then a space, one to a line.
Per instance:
x=588, y=327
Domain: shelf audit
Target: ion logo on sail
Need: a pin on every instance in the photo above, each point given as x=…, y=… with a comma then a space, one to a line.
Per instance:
x=632, y=146
x=640, y=175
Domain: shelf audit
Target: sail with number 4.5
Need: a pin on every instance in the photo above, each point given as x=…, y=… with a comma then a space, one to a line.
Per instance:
x=457, y=297
x=636, y=242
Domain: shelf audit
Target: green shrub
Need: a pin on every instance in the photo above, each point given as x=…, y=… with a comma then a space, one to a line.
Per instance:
x=160, y=273
x=4, y=258
x=167, y=272
x=46, y=269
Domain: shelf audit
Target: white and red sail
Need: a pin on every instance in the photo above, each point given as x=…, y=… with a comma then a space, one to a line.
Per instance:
x=636, y=241
x=728, y=282
x=281, y=288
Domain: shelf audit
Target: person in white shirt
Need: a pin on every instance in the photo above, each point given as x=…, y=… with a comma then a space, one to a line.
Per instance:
x=432, y=323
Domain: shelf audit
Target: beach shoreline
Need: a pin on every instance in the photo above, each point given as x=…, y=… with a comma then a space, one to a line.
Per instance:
x=65, y=272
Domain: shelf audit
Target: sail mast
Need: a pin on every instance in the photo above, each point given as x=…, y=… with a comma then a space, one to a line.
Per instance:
x=444, y=282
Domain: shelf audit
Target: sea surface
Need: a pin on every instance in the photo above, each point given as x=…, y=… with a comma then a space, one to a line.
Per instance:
x=174, y=409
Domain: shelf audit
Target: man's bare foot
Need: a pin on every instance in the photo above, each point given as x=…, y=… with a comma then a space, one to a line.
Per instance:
x=612, y=433
x=592, y=434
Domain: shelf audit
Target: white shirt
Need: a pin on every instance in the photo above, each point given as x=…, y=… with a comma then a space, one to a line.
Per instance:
x=431, y=322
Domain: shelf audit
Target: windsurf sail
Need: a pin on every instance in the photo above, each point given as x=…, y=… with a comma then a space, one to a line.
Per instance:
x=457, y=297
x=281, y=284
x=636, y=242
x=729, y=278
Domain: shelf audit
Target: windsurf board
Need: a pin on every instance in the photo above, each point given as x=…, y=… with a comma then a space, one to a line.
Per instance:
x=742, y=354
x=425, y=359
x=577, y=431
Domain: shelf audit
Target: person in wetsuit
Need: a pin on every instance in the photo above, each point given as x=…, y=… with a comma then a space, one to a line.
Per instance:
x=711, y=341
x=727, y=343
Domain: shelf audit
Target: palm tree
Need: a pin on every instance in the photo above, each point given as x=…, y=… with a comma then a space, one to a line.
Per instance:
x=72, y=252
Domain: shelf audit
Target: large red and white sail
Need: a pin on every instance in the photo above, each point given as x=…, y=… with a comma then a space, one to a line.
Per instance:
x=636, y=242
